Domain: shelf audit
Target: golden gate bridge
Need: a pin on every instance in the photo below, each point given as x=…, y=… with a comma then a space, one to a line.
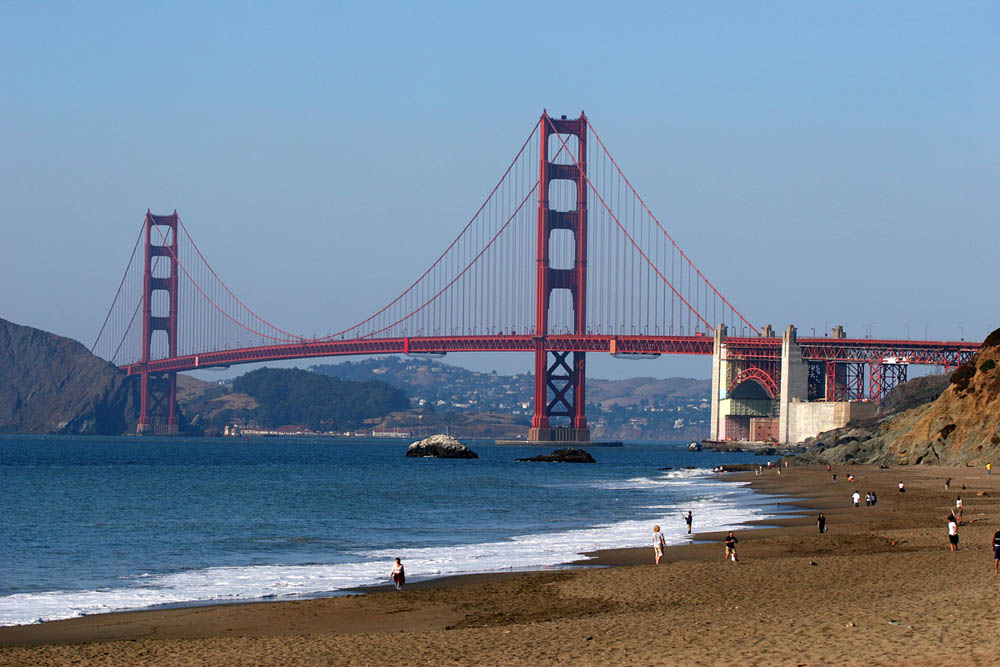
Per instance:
x=563, y=258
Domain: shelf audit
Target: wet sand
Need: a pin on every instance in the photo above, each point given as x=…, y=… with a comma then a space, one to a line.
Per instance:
x=880, y=587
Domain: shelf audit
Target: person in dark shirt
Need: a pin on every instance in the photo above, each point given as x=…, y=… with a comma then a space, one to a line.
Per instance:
x=731, y=547
x=821, y=522
x=688, y=520
x=996, y=552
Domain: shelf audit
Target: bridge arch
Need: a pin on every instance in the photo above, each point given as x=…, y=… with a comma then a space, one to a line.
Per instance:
x=758, y=376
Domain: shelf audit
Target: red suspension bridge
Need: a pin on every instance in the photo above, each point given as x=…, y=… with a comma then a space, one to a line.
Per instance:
x=562, y=258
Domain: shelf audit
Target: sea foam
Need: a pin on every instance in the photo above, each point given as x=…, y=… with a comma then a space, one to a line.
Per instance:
x=716, y=505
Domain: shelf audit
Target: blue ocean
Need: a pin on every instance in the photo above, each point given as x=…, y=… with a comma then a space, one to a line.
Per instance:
x=95, y=525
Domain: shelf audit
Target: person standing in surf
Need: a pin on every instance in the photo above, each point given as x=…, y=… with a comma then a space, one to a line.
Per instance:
x=688, y=520
x=398, y=576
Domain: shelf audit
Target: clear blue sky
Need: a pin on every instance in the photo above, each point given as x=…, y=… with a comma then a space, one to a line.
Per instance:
x=821, y=162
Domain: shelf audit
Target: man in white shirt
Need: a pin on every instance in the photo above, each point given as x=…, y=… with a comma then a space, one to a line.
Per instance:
x=953, y=532
x=856, y=497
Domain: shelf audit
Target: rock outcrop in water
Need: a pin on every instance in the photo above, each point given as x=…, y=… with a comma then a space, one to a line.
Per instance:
x=440, y=447
x=956, y=420
x=52, y=384
x=564, y=456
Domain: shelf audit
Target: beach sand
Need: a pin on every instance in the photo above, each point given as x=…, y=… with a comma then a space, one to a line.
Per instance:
x=881, y=587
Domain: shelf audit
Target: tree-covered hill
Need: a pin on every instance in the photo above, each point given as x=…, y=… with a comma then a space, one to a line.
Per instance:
x=321, y=402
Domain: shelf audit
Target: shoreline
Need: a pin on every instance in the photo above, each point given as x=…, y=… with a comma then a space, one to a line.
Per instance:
x=615, y=557
x=881, y=581
x=693, y=549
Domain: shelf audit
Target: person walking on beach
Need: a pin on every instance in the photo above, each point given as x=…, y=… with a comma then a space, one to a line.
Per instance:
x=821, y=522
x=902, y=489
x=959, y=505
x=731, y=547
x=398, y=575
x=659, y=544
x=868, y=499
x=688, y=520
x=996, y=552
x=953, y=532
x=947, y=483
x=856, y=497
x=874, y=499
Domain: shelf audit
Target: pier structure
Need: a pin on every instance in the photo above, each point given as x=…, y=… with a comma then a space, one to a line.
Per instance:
x=785, y=390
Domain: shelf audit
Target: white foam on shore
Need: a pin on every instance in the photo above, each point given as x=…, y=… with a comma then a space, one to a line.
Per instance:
x=716, y=505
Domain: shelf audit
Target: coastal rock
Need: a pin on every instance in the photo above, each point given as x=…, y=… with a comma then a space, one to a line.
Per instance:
x=564, y=456
x=52, y=384
x=440, y=447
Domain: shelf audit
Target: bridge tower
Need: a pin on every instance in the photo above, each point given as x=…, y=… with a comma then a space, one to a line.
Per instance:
x=158, y=391
x=563, y=374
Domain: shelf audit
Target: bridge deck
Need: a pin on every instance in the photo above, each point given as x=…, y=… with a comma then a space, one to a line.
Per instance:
x=943, y=353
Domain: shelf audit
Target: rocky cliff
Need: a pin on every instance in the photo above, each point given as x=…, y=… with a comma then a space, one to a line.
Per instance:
x=960, y=426
x=51, y=384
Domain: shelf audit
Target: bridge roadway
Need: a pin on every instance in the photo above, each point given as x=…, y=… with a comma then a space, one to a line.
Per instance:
x=949, y=354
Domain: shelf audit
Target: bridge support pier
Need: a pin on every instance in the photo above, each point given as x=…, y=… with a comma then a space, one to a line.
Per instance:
x=158, y=391
x=564, y=381
x=797, y=395
x=794, y=384
x=560, y=380
x=158, y=404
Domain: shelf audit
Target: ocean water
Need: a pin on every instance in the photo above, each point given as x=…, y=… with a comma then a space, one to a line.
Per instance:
x=95, y=525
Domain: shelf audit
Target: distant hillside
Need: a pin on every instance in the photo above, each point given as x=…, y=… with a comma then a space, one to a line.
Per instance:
x=52, y=384
x=321, y=402
x=210, y=406
x=274, y=397
x=635, y=409
x=443, y=386
x=959, y=422
x=633, y=391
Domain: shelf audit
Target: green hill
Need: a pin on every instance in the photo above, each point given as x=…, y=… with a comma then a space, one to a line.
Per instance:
x=321, y=402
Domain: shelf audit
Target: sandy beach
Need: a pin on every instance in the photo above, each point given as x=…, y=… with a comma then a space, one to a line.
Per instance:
x=880, y=587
